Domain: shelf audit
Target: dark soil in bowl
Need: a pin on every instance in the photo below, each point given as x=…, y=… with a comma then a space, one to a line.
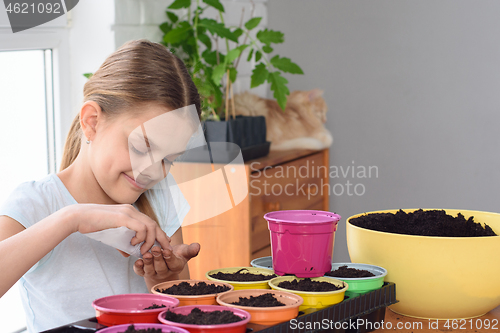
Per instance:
x=155, y=306
x=423, y=223
x=241, y=276
x=198, y=317
x=199, y=288
x=131, y=329
x=308, y=285
x=264, y=300
x=347, y=272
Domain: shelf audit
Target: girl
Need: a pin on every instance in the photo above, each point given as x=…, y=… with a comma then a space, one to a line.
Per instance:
x=42, y=224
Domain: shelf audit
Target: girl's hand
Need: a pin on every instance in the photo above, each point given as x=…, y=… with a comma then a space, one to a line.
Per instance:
x=162, y=265
x=93, y=217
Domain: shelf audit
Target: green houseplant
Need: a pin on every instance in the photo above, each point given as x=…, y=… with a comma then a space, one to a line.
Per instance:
x=198, y=40
x=212, y=50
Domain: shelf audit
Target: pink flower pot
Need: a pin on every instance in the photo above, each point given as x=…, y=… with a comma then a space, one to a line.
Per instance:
x=302, y=241
x=237, y=327
x=164, y=328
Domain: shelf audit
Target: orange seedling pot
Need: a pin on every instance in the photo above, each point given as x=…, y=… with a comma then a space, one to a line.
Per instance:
x=265, y=315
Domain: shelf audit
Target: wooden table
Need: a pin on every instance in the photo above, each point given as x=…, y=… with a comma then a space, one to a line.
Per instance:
x=407, y=324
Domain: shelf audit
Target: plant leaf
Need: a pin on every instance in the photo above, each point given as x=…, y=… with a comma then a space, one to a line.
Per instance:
x=218, y=73
x=235, y=53
x=217, y=28
x=237, y=32
x=165, y=27
x=205, y=40
x=286, y=65
x=232, y=55
x=258, y=56
x=178, y=34
x=178, y=4
x=278, y=85
x=204, y=87
x=252, y=23
x=211, y=57
x=233, y=73
x=259, y=75
x=215, y=3
x=218, y=97
x=189, y=50
x=88, y=75
x=270, y=36
x=250, y=54
x=196, y=68
x=215, y=100
x=201, y=30
x=267, y=49
x=172, y=17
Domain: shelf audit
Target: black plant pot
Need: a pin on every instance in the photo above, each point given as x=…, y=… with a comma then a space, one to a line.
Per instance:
x=243, y=131
x=226, y=138
x=249, y=133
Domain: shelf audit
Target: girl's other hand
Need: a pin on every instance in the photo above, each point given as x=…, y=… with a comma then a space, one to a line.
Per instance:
x=162, y=265
x=94, y=217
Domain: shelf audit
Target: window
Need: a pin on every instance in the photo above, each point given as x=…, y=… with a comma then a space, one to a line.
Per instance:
x=35, y=101
x=27, y=136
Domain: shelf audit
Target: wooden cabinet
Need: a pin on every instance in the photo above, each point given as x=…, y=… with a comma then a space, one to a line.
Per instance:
x=280, y=181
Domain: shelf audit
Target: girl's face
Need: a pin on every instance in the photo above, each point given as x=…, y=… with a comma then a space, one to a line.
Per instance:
x=125, y=163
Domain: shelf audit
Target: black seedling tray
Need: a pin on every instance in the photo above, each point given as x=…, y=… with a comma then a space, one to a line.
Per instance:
x=369, y=307
x=344, y=317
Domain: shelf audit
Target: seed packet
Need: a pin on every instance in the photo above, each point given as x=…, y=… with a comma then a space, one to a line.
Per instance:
x=119, y=238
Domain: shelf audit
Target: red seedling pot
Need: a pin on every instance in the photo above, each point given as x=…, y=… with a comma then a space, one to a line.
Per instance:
x=129, y=308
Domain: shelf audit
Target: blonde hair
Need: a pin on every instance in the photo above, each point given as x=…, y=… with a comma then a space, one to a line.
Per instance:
x=138, y=72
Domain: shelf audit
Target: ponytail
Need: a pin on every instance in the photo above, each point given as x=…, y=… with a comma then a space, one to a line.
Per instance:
x=72, y=145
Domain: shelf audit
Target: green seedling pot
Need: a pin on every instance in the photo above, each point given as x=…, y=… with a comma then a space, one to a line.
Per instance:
x=360, y=286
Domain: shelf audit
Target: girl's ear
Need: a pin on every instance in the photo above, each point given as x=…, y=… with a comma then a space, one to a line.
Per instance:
x=90, y=114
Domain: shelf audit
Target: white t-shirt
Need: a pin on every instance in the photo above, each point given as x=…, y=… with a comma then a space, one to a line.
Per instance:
x=60, y=288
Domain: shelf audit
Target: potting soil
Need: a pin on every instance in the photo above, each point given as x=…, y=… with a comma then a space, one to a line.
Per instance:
x=423, y=223
x=308, y=285
x=346, y=272
x=199, y=288
x=242, y=277
x=264, y=300
x=131, y=329
x=198, y=317
x=155, y=306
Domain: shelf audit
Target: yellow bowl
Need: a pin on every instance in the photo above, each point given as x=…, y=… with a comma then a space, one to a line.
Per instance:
x=435, y=277
x=316, y=300
x=239, y=285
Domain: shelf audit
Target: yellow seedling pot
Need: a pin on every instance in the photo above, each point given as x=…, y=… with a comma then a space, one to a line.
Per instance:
x=316, y=300
x=239, y=285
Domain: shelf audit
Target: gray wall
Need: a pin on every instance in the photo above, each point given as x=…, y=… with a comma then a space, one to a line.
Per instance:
x=413, y=88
